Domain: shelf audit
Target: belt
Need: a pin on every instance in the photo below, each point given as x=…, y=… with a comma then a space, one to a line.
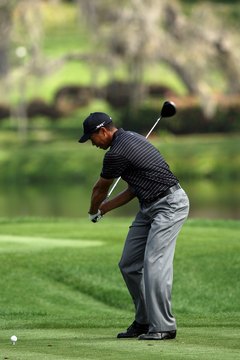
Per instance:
x=169, y=191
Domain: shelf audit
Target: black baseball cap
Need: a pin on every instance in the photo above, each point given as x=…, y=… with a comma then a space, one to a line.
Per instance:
x=94, y=122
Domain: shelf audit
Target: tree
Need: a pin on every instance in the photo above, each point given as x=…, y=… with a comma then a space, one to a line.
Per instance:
x=138, y=33
x=26, y=57
x=6, y=7
x=130, y=33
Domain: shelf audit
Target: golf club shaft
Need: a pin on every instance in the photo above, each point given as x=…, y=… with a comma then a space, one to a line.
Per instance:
x=149, y=133
x=118, y=179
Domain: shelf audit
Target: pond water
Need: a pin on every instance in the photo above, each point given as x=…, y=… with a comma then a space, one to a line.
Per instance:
x=208, y=199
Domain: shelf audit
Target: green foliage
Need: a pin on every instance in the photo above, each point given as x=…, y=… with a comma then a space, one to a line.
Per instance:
x=194, y=157
x=190, y=118
x=63, y=33
x=49, y=162
x=199, y=157
x=63, y=295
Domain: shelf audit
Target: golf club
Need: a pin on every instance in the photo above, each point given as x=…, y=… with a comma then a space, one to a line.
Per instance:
x=168, y=110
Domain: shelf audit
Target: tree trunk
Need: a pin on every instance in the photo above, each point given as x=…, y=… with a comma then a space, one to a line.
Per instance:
x=5, y=27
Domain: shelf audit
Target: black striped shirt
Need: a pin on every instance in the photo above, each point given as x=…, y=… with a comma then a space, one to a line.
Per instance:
x=139, y=163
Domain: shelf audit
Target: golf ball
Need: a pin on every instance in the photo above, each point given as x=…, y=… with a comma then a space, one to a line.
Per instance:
x=13, y=339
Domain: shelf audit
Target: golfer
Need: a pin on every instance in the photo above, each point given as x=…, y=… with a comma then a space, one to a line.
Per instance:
x=147, y=259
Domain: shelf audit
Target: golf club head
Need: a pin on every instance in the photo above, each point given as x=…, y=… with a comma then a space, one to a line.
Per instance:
x=168, y=109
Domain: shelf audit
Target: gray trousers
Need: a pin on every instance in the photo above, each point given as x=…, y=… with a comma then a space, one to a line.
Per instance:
x=147, y=259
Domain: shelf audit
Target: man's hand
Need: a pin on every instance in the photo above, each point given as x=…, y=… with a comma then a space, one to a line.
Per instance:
x=95, y=217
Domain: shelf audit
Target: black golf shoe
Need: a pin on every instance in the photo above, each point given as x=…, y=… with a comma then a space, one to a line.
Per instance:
x=168, y=335
x=134, y=330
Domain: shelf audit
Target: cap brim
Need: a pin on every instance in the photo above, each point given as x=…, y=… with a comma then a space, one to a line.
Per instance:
x=84, y=138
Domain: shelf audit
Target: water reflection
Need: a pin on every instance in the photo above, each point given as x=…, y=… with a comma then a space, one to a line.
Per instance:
x=208, y=200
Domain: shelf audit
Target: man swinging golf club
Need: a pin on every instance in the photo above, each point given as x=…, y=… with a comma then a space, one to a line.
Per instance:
x=147, y=259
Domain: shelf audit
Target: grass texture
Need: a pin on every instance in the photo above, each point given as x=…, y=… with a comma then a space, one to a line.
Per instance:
x=63, y=296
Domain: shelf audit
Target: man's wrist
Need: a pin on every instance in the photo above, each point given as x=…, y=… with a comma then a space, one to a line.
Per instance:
x=95, y=217
x=103, y=208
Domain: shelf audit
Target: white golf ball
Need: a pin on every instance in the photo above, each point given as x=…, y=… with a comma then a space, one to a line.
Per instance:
x=13, y=339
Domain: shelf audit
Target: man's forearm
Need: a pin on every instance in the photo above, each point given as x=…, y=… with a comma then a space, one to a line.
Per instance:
x=121, y=199
x=98, y=196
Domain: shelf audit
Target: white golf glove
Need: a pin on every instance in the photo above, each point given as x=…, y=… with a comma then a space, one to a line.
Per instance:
x=95, y=217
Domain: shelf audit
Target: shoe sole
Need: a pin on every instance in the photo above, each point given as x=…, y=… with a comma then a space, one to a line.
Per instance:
x=157, y=338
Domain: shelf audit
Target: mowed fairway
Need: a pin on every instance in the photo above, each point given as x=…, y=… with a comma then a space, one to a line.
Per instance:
x=63, y=296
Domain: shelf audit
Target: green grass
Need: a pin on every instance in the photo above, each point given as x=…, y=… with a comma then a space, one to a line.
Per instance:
x=214, y=344
x=63, y=296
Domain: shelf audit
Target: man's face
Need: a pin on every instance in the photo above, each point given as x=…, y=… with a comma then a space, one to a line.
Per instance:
x=101, y=139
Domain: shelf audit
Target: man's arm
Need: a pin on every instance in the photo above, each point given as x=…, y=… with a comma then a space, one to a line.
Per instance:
x=99, y=194
x=121, y=199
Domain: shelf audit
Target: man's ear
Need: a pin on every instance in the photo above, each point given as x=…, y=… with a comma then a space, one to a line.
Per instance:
x=104, y=131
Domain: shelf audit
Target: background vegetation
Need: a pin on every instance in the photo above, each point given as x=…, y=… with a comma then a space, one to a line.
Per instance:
x=77, y=60
x=60, y=62
x=66, y=161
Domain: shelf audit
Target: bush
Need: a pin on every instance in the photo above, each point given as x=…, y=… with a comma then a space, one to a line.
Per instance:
x=189, y=119
x=4, y=111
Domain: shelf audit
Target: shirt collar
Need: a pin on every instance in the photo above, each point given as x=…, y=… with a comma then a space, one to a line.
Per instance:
x=116, y=134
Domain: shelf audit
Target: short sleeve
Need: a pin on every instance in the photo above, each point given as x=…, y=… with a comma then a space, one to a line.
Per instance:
x=113, y=165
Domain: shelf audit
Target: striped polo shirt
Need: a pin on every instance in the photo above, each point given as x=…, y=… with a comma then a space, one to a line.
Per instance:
x=139, y=163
